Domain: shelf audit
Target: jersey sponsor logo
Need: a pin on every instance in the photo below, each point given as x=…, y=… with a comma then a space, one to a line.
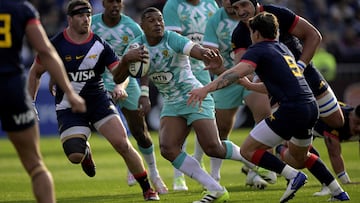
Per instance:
x=68, y=58
x=162, y=77
x=82, y=76
x=24, y=118
x=196, y=37
x=93, y=56
x=79, y=57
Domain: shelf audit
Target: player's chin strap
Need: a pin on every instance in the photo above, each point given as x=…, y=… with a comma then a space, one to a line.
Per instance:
x=37, y=170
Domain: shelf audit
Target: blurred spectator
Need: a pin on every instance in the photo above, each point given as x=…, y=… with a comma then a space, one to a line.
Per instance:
x=134, y=8
x=340, y=19
x=325, y=62
x=348, y=46
x=352, y=94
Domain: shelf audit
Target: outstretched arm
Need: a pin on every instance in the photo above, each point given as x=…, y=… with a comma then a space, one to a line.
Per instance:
x=225, y=79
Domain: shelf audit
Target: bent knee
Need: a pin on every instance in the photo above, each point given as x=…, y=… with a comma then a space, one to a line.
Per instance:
x=169, y=153
x=74, y=149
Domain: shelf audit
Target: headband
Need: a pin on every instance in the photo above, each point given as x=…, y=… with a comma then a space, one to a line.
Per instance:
x=79, y=11
x=254, y=2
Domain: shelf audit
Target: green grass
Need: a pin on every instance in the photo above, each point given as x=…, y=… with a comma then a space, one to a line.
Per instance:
x=109, y=184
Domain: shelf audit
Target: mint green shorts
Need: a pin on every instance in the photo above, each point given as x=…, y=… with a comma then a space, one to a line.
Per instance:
x=230, y=97
x=133, y=91
x=190, y=113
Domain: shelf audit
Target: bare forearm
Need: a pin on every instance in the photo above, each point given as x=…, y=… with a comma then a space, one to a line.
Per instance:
x=230, y=76
x=227, y=78
x=33, y=86
x=121, y=72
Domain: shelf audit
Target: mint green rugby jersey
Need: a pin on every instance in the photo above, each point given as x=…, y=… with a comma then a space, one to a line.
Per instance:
x=218, y=34
x=190, y=21
x=118, y=37
x=170, y=69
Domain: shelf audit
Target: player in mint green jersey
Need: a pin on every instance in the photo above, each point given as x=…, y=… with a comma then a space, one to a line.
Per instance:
x=118, y=30
x=170, y=72
x=189, y=18
x=218, y=34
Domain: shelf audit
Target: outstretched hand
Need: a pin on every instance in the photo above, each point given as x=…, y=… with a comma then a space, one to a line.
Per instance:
x=213, y=59
x=197, y=95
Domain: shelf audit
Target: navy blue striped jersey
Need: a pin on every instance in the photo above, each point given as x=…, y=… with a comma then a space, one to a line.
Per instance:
x=84, y=64
x=287, y=20
x=276, y=67
x=14, y=16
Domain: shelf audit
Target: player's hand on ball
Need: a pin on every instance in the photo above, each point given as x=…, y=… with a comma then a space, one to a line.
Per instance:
x=138, y=56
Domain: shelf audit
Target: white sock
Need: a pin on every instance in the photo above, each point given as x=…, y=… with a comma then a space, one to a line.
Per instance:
x=149, y=157
x=343, y=177
x=289, y=172
x=335, y=188
x=151, y=163
x=178, y=173
x=215, y=164
x=192, y=168
x=235, y=154
x=198, y=151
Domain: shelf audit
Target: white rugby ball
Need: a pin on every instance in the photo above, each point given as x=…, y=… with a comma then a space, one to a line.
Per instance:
x=139, y=69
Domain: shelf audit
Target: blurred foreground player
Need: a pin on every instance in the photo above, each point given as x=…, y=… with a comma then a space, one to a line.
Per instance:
x=19, y=19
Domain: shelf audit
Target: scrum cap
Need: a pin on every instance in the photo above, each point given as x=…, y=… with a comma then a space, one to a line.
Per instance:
x=254, y=2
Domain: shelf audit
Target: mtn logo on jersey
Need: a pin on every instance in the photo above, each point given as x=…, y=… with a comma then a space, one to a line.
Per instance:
x=81, y=76
x=161, y=77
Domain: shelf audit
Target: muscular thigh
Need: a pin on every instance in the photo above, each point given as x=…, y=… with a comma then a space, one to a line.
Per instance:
x=225, y=119
x=206, y=132
x=173, y=131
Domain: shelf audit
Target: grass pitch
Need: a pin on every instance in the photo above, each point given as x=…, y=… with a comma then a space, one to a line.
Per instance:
x=109, y=185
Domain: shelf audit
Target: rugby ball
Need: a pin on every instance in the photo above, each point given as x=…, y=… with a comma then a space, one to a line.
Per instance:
x=139, y=69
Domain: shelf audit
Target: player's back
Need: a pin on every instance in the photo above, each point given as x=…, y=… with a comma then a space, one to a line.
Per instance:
x=14, y=16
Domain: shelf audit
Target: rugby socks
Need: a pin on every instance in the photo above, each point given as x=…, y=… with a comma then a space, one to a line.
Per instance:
x=198, y=151
x=233, y=153
x=178, y=173
x=149, y=157
x=143, y=180
x=322, y=173
x=268, y=161
x=215, y=168
x=318, y=169
x=343, y=177
x=191, y=167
